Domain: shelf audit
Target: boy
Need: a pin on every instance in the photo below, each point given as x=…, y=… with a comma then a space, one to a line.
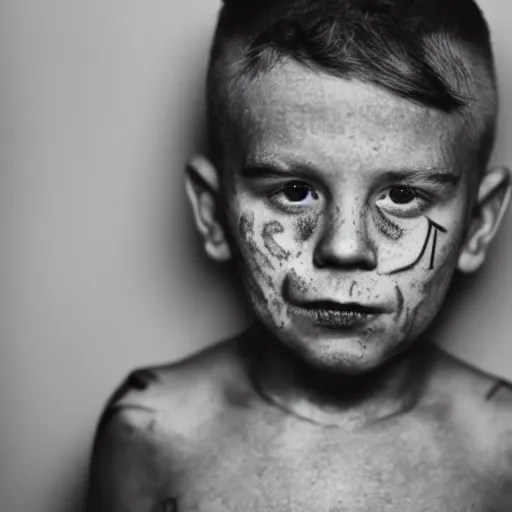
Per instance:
x=347, y=183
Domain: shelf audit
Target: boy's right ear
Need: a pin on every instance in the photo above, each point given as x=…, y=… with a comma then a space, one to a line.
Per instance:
x=202, y=186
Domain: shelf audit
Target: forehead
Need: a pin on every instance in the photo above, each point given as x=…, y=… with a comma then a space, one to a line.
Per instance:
x=296, y=112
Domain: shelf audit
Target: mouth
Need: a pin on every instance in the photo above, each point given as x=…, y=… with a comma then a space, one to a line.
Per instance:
x=334, y=315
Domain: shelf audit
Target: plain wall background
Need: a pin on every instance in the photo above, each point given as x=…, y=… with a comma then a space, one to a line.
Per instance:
x=101, y=102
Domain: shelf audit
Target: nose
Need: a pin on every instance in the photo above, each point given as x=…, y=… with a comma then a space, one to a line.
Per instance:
x=344, y=242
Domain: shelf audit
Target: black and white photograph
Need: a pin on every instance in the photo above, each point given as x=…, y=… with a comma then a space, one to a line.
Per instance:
x=257, y=256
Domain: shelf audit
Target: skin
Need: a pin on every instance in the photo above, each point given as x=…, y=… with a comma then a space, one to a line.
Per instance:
x=294, y=416
x=359, y=243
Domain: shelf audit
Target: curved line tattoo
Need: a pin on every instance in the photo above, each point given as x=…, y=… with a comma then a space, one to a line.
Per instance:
x=269, y=230
x=435, y=228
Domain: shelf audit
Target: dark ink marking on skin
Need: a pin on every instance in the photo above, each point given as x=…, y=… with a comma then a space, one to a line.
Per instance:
x=434, y=246
x=351, y=291
x=293, y=279
x=305, y=228
x=269, y=230
x=246, y=226
x=400, y=302
x=497, y=387
x=389, y=228
x=493, y=391
x=261, y=260
x=170, y=505
x=140, y=379
x=258, y=262
x=432, y=227
x=259, y=295
x=410, y=318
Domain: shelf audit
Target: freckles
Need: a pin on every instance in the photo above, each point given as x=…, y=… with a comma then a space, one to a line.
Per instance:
x=299, y=283
x=305, y=227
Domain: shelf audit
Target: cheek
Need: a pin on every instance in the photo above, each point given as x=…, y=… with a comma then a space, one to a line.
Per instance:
x=417, y=245
x=268, y=233
x=433, y=285
x=263, y=257
x=424, y=292
x=424, y=284
x=305, y=227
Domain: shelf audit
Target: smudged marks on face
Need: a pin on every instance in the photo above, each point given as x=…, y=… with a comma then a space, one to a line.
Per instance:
x=305, y=227
x=432, y=233
x=269, y=230
x=260, y=259
x=400, y=302
x=386, y=226
x=258, y=262
x=299, y=283
x=410, y=320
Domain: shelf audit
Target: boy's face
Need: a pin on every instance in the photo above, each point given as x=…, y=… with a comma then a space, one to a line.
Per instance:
x=346, y=208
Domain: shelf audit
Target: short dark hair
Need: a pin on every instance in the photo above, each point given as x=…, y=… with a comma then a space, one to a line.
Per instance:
x=404, y=46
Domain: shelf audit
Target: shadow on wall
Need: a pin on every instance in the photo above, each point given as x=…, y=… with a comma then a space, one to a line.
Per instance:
x=189, y=247
x=180, y=244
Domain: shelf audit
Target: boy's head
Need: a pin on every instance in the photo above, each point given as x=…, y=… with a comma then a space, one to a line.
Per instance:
x=349, y=144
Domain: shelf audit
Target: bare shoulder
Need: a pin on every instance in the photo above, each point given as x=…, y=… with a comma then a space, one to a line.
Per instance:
x=196, y=388
x=499, y=400
x=151, y=422
x=482, y=405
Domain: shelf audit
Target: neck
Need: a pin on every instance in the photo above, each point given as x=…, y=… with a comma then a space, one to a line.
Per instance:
x=286, y=381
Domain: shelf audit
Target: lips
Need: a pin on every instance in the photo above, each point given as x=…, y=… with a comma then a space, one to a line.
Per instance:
x=335, y=315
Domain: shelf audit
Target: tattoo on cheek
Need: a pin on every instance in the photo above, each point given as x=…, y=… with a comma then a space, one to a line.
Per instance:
x=269, y=230
x=433, y=233
x=260, y=259
x=258, y=262
x=305, y=228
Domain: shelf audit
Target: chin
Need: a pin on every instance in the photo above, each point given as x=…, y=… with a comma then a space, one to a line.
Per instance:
x=351, y=355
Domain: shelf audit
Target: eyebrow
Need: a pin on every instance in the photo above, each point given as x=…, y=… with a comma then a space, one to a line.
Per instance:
x=264, y=170
x=433, y=174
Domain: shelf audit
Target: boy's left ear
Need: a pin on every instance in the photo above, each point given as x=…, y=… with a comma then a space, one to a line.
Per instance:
x=202, y=186
x=492, y=203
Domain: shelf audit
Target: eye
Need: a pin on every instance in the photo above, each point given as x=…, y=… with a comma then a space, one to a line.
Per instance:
x=295, y=193
x=402, y=195
x=403, y=201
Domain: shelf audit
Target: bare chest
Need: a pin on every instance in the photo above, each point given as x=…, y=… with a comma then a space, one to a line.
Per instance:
x=299, y=470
